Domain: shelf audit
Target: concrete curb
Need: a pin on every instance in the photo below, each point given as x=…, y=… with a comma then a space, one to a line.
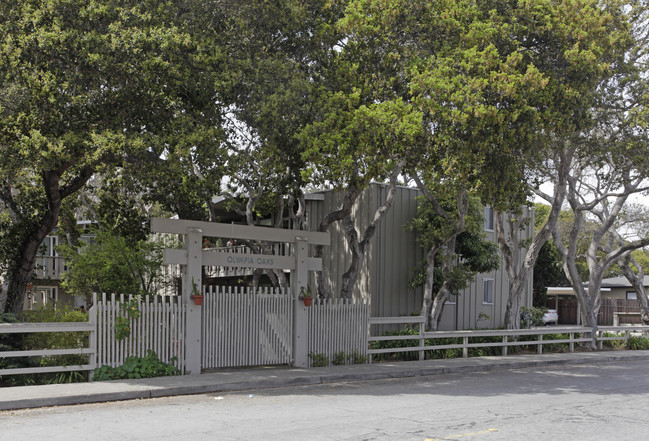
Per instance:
x=258, y=379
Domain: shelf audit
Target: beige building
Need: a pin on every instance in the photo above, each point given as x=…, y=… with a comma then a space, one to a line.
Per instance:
x=394, y=253
x=391, y=259
x=620, y=288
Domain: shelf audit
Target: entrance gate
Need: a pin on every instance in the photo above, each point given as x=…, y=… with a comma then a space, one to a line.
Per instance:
x=192, y=258
x=246, y=328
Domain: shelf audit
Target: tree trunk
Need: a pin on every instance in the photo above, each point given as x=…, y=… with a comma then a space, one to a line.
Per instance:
x=358, y=258
x=438, y=307
x=427, y=302
x=449, y=261
x=358, y=247
x=351, y=194
x=637, y=281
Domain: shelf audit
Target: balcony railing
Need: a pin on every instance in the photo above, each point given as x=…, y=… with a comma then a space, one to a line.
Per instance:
x=49, y=267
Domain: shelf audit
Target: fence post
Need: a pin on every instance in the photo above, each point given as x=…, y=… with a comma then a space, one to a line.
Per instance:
x=572, y=342
x=421, y=341
x=539, y=350
x=192, y=277
x=505, y=340
x=465, y=348
x=600, y=343
x=92, y=337
x=300, y=343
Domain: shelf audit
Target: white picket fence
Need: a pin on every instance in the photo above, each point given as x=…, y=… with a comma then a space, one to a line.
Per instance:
x=239, y=328
x=246, y=328
x=338, y=325
x=161, y=327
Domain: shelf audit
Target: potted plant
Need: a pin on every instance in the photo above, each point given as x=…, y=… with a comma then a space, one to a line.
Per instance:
x=306, y=296
x=196, y=295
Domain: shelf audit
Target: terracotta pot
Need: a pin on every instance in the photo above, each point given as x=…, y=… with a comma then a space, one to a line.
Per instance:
x=307, y=301
x=198, y=300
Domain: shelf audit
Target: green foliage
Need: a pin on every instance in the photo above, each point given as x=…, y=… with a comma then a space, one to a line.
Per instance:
x=113, y=264
x=474, y=253
x=137, y=367
x=457, y=353
x=128, y=311
x=532, y=316
x=84, y=86
x=45, y=340
x=357, y=358
x=339, y=358
x=432, y=354
x=318, y=359
x=614, y=344
x=637, y=343
x=548, y=271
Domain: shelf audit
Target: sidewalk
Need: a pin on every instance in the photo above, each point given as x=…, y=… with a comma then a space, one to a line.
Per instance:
x=274, y=377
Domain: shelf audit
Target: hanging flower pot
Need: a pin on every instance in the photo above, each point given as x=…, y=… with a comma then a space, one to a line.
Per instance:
x=306, y=296
x=198, y=299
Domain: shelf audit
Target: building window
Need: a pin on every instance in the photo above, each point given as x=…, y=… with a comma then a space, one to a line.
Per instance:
x=488, y=291
x=631, y=295
x=488, y=218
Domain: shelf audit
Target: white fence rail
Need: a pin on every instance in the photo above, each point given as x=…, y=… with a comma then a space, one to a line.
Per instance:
x=30, y=328
x=246, y=328
x=508, y=337
x=338, y=325
x=161, y=327
x=49, y=267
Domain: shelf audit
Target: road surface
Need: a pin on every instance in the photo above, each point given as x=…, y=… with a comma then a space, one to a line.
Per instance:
x=605, y=402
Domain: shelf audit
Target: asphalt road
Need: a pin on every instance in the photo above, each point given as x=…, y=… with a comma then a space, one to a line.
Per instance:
x=604, y=402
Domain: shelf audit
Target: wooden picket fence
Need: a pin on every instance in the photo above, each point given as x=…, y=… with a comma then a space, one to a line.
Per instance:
x=338, y=326
x=246, y=328
x=161, y=327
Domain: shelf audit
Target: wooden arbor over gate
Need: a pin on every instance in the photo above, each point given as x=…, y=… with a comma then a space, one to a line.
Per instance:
x=192, y=258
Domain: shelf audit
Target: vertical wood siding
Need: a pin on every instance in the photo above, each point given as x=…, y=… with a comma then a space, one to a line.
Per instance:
x=392, y=257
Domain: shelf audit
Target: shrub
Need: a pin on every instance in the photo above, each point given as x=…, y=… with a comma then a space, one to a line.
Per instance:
x=45, y=340
x=318, y=359
x=637, y=343
x=532, y=316
x=137, y=367
x=357, y=358
x=339, y=358
x=615, y=344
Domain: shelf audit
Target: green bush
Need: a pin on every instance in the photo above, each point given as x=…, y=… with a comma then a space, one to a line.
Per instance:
x=339, y=358
x=45, y=340
x=391, y=344
x=637, y=343
x=615, y=344
x=532, y=316
x=318, y=359
x=457, y=353
x=356, y=358
x=137, y=367
x=432, y=354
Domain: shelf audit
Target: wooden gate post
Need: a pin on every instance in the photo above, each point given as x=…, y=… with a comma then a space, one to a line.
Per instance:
x=192, y=277
x=299, y=283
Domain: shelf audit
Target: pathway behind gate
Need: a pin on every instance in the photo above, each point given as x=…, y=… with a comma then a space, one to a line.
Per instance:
x=272, y=377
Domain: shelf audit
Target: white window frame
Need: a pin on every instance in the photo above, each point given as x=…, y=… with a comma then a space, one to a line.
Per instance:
x=633, y=294
x=489, y=222
x=485, y=299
